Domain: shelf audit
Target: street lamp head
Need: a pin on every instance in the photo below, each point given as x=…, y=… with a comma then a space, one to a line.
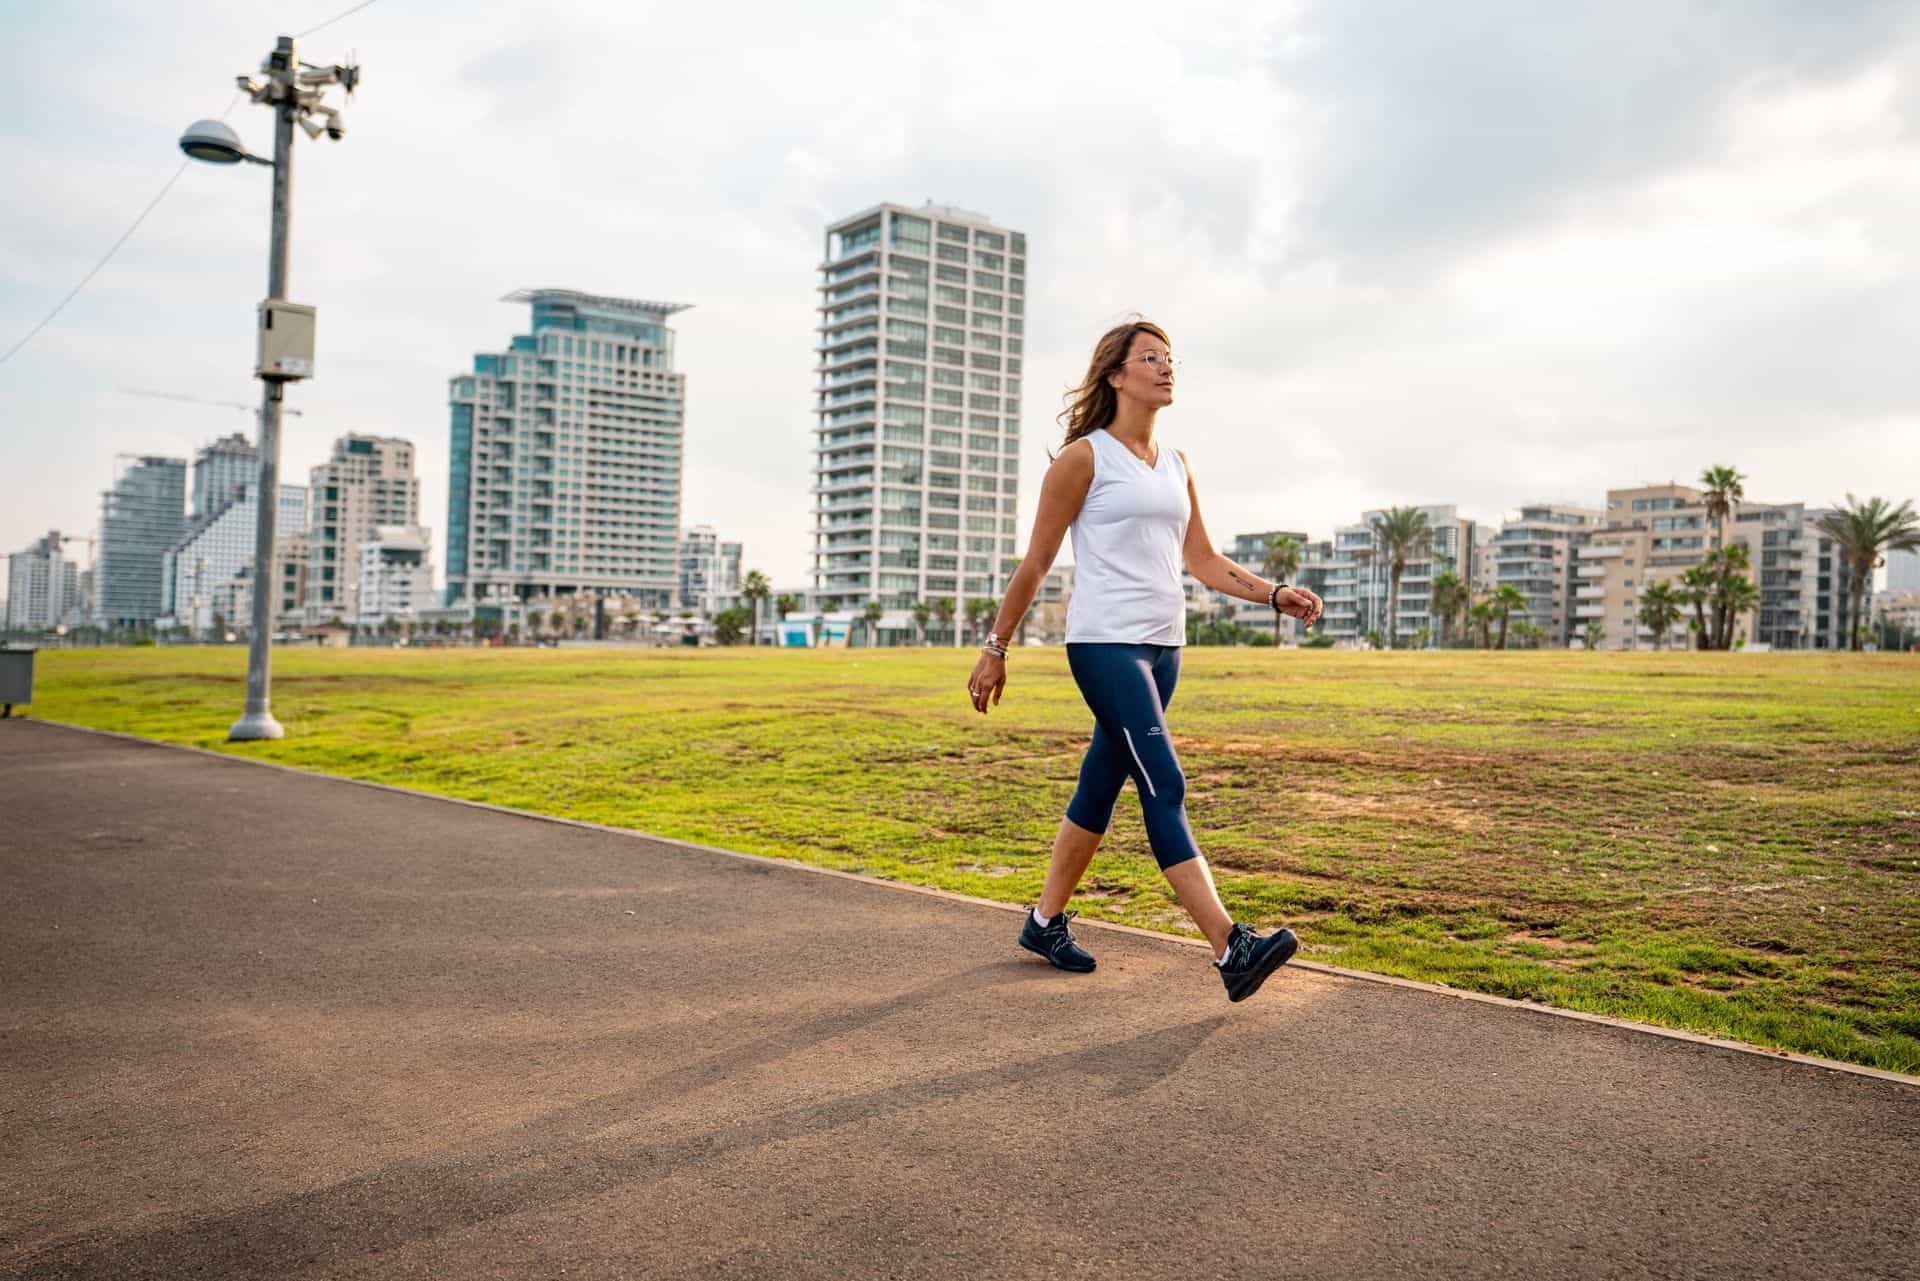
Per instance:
x=213, y=141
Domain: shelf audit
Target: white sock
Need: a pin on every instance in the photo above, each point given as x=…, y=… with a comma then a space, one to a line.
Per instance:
x=1221, y=960
x=1041, y=921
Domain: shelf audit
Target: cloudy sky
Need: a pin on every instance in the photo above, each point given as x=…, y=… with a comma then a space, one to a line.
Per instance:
x=1477, y=252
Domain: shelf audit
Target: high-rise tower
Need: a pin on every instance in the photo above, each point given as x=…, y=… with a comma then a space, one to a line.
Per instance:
x=922, y=328
x=140, y=517
x=369, y=481
x=566, y=456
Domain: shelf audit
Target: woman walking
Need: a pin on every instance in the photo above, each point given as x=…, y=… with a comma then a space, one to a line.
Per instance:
x=1135, y=515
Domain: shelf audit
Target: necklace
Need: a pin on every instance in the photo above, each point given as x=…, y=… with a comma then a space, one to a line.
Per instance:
x=1136, y=453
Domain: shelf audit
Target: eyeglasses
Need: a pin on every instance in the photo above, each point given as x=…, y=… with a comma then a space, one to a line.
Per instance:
x=1155, y=362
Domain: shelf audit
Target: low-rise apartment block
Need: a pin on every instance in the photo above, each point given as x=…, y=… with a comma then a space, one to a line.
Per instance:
x=1535, y=553
x=1656, y=533
x=396, y=577
x=1355, y=581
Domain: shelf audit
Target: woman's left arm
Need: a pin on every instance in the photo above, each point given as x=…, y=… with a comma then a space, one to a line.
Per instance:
x=1231, y=579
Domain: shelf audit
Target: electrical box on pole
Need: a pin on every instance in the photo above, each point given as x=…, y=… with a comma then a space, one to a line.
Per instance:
x=286, y=340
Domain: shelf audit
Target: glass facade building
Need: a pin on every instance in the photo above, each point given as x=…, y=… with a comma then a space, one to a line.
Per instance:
x=566, y=456
x=915, y=460
x=140, y=517
x=220, y=472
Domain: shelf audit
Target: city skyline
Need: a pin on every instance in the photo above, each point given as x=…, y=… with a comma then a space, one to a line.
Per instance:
x=1385, y=294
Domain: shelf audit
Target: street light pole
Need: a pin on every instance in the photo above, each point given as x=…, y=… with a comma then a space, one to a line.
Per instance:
x=258, y=722
x=295, y=91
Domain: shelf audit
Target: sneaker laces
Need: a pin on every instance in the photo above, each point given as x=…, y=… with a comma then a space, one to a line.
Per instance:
x=1060, y=923
x=1240, y=947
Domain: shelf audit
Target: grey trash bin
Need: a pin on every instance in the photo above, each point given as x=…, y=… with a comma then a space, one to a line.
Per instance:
x=16, y=678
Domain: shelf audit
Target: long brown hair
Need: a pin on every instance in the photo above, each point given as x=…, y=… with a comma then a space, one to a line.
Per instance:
x=1093, y=404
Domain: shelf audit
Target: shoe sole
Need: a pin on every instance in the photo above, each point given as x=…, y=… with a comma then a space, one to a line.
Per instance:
x=1273, y=960
x=1044, y=954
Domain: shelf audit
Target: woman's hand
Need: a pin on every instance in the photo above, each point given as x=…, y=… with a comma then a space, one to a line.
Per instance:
x=988, y=679
x=1300, y=603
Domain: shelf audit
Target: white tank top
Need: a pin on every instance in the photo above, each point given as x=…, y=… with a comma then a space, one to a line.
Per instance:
x=1127, y=544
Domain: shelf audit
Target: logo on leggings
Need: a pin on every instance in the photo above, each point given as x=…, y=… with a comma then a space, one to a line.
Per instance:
x=1154, y=730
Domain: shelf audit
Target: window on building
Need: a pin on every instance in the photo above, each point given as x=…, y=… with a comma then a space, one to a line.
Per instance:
x=910, y=234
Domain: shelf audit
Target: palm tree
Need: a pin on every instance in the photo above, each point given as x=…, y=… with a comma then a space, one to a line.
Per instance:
x=979, y=609
x=1450, y=598
x=1401, y=535
x=872, y=615
x=1280, y=563
x=784, y=604
x=1660, y=610
x=1866, y=532
x=1729, y=565
x=1594, y=633
x=1696, y=588
x=1737, y=595
x=1480, y=618
x=921, y=612
x=755, y=589
x=534, y=618
x=1724, y=492
x=1506, y=600
x=943, y=610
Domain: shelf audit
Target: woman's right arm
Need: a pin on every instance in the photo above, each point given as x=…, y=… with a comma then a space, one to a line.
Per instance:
x=1061, y=493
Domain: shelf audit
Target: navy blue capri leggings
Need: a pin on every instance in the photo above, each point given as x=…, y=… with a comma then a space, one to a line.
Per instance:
x=1128, y=687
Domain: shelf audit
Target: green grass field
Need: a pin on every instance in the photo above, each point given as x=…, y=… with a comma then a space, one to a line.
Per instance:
x=1724, y=843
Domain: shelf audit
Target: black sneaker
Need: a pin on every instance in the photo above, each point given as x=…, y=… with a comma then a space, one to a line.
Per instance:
x=1055, y=942
x=1251, y=958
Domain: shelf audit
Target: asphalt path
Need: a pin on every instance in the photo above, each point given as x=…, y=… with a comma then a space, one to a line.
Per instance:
x=257, y=1023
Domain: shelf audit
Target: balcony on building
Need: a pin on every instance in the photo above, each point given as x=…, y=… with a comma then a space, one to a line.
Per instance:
x=847, y=359
x=857, y=265
x=865, y=394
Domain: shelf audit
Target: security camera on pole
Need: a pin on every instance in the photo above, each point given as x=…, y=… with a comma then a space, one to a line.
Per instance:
x=294, y=90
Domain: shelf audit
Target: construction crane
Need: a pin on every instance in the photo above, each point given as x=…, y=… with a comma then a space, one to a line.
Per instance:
x=199, y=400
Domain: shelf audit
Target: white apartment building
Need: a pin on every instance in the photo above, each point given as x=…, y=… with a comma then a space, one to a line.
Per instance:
x=396, y=574
x=1355, y=584
x=709, y=571
x=566, y=457
x=219, y=546
x=1534, y=552
x=1655, y=533
x=922, y=338
x=369, y=481
x=43, y=587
